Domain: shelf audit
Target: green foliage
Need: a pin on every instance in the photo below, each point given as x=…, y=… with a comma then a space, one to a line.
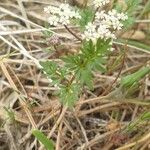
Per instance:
x=77, y=70
x=10, y=113
x=129, y=22
x=53, y=71
x=10, y=117
x=91, y=58
x=87, y=15
x=69, y=94
x=145, y=116
x=85, y=76
x=134, y=124
x=78, y=64
x=140, y=45
x=134, y=78
x=93, y=54
x=132, y=5
x=130, y=83
x=43, y=139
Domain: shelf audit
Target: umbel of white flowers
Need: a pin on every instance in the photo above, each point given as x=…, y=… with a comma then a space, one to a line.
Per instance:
x=104, y=25
x=61, y=15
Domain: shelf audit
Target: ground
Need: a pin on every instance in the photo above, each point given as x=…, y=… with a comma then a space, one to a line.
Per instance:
x=102, y=118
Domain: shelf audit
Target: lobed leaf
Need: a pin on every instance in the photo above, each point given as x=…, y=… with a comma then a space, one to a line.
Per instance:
x=69, y=94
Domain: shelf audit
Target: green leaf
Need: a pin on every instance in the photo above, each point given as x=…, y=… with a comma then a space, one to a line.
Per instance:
x=145, y=116
x=129, y=22
x=129, y=80
x=134, y=124
x=69, y=94
x=85, y=76
x=43, y=139
x=102, y=46
x=53, y=71
x=136, y=44
x=49, y=67
x=87, y=15
x=73, y=62
x=99, y=65
x=88, y=48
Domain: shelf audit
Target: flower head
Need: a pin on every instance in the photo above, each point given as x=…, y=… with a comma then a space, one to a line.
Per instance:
x=100, y=15
x=94, y=32
x=53, y=20
x=62, y=14
x=105, y=25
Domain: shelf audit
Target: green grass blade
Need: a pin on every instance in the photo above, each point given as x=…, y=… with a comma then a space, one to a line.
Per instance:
x=129, y=80
x=134, y=44
x=43, y=139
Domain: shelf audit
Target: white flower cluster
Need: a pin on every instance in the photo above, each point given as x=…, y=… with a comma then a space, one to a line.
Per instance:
x=100, y=3
x=61, y=14
x=105, y=25
x=112, y=18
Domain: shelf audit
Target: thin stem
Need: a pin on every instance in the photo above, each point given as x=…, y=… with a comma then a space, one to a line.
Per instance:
x=70, y=31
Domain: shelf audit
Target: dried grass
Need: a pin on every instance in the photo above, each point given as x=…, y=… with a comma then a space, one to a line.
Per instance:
x=95, y=123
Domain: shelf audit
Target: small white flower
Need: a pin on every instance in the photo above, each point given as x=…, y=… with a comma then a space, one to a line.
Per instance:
x=51, y=10
x=64, y=6
x=102, y=30
x=62, y=14
x=90, y=27
x=119, y=16
x=110, y=35
x=47, y=9
x=50, y=80
x=117, y=25
x=53, y=20
x=112, y=49
x=100, y=15
x=57, y=86
x=74, y=14
x=104, y=26
x=122, y=16
x=107, y=22
x=90, y=32
x=112, y=12
x=64, y=20
x=114, y=19
x=100, y=3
